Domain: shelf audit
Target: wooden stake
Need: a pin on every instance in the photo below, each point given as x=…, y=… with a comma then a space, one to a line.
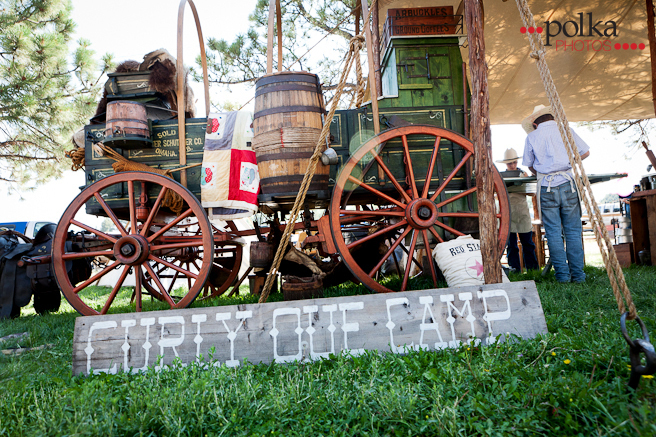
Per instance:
x=375, y=40
x=372, y=66
x=481, y=137
x=652, y=48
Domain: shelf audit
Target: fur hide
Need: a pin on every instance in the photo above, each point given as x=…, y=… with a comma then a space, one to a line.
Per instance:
x=162, y=79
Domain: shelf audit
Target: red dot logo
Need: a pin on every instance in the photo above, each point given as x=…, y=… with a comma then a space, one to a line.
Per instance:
x=641, y=46
x=522, y=29
x=634, y=46
x=618, y=46
x=539, y=30
x=531, y=29
x=625, y=46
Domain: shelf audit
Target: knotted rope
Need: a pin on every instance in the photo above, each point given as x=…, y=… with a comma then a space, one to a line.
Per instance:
x=172, y=200
x=613, y=268
x=77, y=156
x=355, y=46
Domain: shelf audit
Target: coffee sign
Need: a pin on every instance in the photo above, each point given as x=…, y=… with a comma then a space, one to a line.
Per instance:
x=422, y=21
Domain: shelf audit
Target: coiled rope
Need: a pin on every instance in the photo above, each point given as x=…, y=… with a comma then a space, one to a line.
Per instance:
x=613, y=268
x=355, y=46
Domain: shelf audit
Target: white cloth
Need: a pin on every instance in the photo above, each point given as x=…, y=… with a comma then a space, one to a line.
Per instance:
x=545, y=151
x=461, y=261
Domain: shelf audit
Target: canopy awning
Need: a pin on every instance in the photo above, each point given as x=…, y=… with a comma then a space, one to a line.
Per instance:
x=592, y=84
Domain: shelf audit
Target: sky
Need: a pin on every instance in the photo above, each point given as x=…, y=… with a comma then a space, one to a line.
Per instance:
x=131, y=28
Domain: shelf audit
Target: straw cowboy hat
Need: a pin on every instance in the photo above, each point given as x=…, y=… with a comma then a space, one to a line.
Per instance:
x=509, y=155
x=538, y=111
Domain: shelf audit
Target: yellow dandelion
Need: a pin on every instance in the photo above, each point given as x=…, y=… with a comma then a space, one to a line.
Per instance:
x=567, y=361
x=553, y=354
x=426, y=417
x=570, y=399
x=648, y=376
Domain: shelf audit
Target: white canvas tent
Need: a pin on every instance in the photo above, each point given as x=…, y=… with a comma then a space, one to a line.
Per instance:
x=593, y=85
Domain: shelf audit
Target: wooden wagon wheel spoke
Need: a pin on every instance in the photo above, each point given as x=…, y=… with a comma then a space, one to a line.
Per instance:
x=150, y=257
x=117, y=287
x=79, y=255
x=411, y=258
x=389, y=253
x=95, y=277
x=449, y=178
x=93, y=231
x=372, y=213
x=424, y=234
x=153, y=211
x=187, y=273
x=456, y=197
x=431, y=166
x=400, y=212
x=161, y=287
x=450, y=229
x=391, y=177
x=436, y=234
x=408, y=166
x=375, y=191
x=110, y=214
x=169, y=225
x=377, y=234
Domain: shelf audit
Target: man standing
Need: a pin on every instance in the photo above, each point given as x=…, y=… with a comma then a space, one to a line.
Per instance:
x=520, y=218
x=545, y=155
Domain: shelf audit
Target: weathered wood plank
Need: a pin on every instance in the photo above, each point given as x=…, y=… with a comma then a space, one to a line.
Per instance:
x=308, y=329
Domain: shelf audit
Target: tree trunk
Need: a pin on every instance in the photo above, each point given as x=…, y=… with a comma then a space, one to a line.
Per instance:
x=376, y=43
x=481, y=137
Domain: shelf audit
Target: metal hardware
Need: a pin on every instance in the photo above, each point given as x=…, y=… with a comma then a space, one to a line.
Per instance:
x=636, y=347
x=329, y=157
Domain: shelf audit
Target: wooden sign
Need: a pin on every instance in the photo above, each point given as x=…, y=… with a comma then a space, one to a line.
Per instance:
x=303, y=330
x=422, y=21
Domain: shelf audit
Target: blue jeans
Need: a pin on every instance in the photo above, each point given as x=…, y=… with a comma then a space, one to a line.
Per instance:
x=561, y=215
x=528, y=247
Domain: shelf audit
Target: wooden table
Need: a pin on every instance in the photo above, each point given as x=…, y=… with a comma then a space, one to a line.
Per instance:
x=643, y=223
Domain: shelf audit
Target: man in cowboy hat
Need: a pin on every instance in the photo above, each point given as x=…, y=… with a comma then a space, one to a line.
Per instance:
x=558, y=197
x=520, y=218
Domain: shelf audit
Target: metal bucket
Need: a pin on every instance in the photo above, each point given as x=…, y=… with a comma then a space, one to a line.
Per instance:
x=127, y=125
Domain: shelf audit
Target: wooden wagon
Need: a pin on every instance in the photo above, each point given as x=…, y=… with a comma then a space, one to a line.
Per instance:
x=409, y=188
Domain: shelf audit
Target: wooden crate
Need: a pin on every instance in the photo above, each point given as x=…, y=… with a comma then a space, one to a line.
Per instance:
x=624, y=254
x=164, y=154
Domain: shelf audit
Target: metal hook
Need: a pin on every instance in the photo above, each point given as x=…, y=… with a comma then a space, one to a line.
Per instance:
x=636, y=347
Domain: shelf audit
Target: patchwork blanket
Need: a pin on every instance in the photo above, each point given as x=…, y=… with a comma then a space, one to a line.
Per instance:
x=230, y=181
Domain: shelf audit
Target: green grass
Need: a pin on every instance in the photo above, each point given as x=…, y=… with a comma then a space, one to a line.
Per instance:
x=569, y=382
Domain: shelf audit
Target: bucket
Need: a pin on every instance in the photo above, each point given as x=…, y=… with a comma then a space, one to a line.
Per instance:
x=287, y=125
x=127, y=125
x=297, y=288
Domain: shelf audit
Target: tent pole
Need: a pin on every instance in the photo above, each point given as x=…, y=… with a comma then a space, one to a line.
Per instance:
x=652, y=49
x=481, y=136
x=375, y=40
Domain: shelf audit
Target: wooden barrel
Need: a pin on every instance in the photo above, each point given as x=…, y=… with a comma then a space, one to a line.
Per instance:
x=287, y=125
x=262, y=254
x=127, y=125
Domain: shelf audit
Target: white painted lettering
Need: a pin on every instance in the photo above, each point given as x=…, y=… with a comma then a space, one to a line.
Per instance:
x=279, y=312
x=464, y=297
x=350, y=327
x=198, y=339
x=490, y=317
x=241, y=316
x=172, y=342
x=127, y=324
x=427, y=301
x=147, y=322
x=390, y=325
x=97, y=326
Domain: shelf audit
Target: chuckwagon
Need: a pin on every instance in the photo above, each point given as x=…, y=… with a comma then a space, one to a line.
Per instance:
x=379, y=200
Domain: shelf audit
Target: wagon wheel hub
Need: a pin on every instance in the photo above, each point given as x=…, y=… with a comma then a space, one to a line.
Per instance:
x=421, y=213
x=131, y=250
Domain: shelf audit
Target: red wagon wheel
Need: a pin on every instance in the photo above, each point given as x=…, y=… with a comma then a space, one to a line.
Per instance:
x=225, y=264
x=139, y=247
x=388, y=222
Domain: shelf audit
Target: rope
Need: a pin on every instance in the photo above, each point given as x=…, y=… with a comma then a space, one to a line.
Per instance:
x=613, y=268
x=77, y=156
x=288, y=137
x=172, y=200
x=355, y=46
